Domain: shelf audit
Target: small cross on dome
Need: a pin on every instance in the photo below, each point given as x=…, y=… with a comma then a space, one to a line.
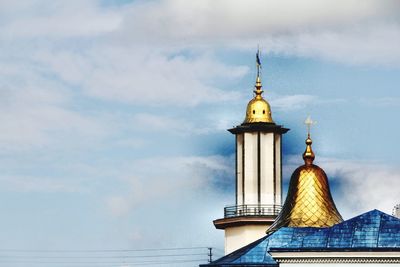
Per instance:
x=309, y=122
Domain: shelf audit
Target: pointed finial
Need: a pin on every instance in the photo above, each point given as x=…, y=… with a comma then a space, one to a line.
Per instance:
x=258, y=109
x=258, y=85
x=258, y=61
x=309, y=155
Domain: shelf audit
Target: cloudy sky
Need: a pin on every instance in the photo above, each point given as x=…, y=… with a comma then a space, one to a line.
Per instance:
x=113, y=113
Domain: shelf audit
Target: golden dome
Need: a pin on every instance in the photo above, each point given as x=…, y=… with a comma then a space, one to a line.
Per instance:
x=309, y=201
x=258, y=109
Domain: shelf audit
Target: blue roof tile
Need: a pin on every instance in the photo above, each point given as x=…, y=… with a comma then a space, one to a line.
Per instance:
x=373, y=230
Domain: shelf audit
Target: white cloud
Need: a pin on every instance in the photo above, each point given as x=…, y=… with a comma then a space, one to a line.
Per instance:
x=23, y=184
x=170, y=66
x=143, y=76
x=174, y=177
x=183, y=191
x=381, y=102
x=34, y=116
x=44, y=19
x=224, y=19
x=365, y=185
x=288, y=103
x=173, y=125
x=292, y=102
x=36, y=112
x=342, y=31
x=118, y=205
x=355, y=44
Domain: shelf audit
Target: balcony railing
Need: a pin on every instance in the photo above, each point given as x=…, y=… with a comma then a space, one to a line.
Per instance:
x=251, y=210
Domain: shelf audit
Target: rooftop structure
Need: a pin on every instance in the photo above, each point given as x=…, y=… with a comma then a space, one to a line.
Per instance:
x=371, y=237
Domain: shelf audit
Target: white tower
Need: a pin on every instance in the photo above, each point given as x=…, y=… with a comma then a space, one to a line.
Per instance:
x=258, y=174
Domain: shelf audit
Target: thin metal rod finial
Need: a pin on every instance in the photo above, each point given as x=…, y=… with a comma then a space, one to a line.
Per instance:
x=258, y=61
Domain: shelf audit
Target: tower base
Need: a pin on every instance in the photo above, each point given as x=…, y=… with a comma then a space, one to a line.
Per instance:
x=242, y=230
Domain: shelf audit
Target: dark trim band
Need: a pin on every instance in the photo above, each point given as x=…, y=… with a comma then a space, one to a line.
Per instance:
x=243, y=169
x=274, y=174
x=236, y=168
x=259, y=167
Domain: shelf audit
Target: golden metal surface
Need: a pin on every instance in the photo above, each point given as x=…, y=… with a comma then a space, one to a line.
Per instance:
x=308, y=155
x=258, y=109
x=309, y=201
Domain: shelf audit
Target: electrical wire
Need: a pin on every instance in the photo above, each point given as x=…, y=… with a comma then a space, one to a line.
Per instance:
x=103, y=263
x=99, y=257
x=98, y=250
x=107, y=257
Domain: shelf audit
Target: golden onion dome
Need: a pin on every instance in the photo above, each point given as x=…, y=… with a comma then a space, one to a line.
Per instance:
x=309, y=201
x=258, y=109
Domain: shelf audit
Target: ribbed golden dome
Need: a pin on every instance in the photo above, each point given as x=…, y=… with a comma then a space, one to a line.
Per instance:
x=309, y=201
x=258, y=109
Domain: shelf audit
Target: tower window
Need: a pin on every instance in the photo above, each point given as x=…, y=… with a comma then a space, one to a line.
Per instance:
x=254, y=112
x=263, y=111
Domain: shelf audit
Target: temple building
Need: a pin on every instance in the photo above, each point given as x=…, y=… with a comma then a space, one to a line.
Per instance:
x=308, y=228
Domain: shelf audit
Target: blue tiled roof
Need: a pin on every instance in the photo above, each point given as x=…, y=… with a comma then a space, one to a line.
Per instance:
x=371, y=231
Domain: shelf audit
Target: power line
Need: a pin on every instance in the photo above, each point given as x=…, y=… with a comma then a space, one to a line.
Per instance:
x=101, y=257
x=98, y=250
x=112, y=257
x=97, y=262
x=184, y=261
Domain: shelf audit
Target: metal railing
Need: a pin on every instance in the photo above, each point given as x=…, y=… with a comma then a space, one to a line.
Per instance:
x=251, y=210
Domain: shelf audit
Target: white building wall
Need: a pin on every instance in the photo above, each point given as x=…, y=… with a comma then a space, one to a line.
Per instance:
x=270, y=168
x=267, y=168
x=240, y=236
x=250, y=148
x=338, y=264
x=337, y=258
x=250, y=168
x=278, y=170
x=239, y=169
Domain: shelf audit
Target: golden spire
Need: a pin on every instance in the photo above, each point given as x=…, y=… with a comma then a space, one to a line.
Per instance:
x=309, y=201
x=258, y=109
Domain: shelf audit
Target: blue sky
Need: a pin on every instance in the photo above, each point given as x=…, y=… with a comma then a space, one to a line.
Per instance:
x=114, y=113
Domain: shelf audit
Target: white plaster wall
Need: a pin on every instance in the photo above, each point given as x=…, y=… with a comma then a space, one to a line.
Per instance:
x=250, y=168
x=239, y=164
x=278, y=167
x=267, y=168
x=240, y=236
x=338, y=264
